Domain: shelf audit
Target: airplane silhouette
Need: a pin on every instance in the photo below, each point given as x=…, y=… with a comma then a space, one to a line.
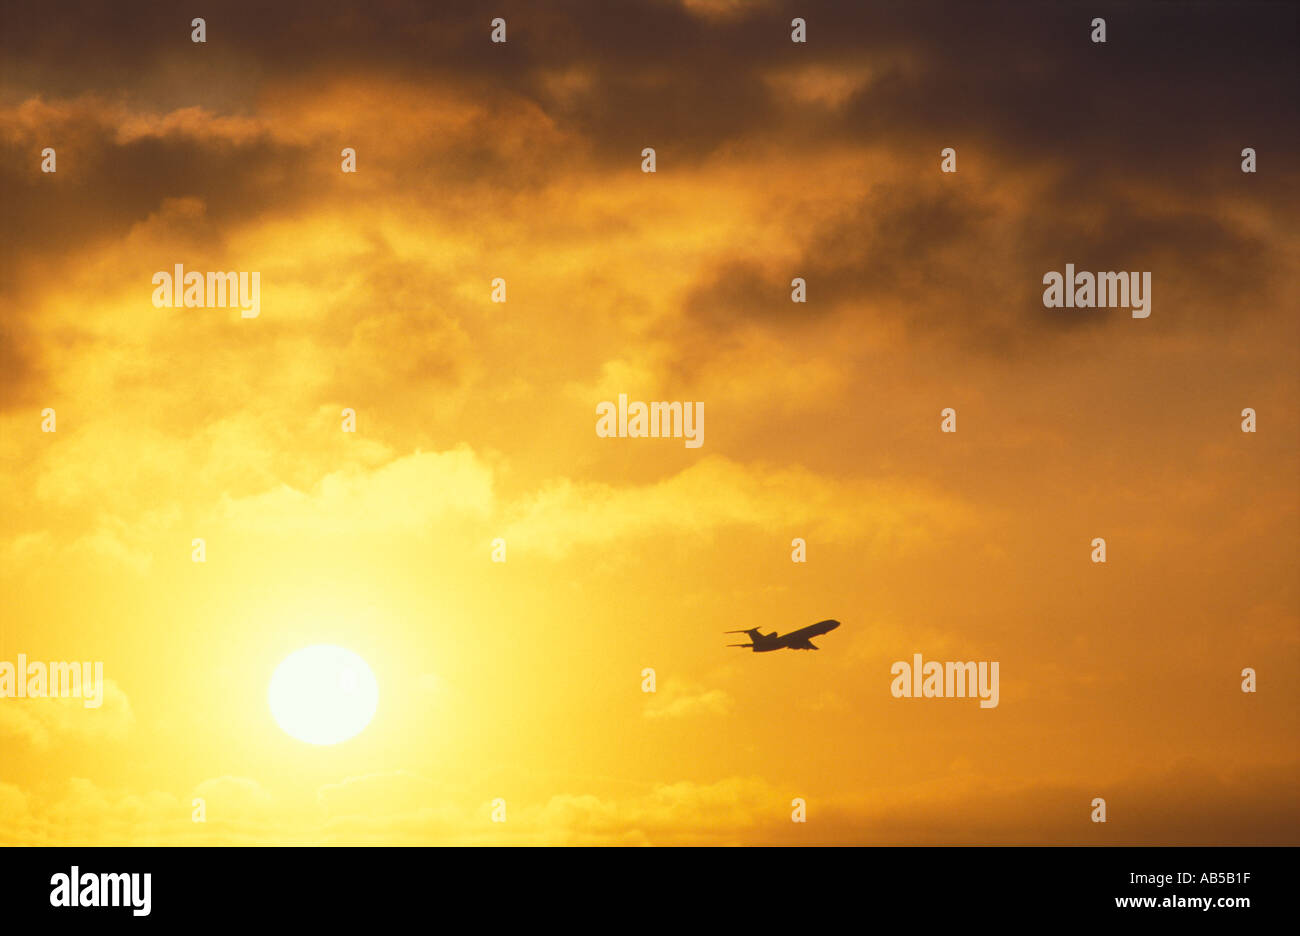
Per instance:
x=795, y=640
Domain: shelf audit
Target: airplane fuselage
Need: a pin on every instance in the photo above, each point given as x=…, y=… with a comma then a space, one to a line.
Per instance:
x=795, y=640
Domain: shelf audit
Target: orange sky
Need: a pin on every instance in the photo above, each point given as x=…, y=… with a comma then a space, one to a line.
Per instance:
x=523, y=680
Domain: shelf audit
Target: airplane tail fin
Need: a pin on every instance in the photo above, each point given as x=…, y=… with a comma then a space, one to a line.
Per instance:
x=753, y=632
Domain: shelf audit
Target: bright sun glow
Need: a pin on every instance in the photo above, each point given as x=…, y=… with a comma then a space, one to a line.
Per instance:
x=323, y=694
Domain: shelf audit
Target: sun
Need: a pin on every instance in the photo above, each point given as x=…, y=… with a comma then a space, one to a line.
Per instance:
x=323, y=694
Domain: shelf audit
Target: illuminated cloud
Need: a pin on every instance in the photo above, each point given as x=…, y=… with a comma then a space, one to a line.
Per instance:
x=680, y=700
x=50, y=723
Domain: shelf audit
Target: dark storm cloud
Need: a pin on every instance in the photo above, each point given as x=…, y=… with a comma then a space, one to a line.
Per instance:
x=1176, y=87
x=1137, y=139
x=1022, y=71
x=1163, y=107
x=885, y=247
x=106, y=186
x=18, y=365
x=952, y=268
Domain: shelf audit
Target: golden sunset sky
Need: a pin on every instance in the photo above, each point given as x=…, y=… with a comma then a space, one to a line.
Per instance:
x=522, y=680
